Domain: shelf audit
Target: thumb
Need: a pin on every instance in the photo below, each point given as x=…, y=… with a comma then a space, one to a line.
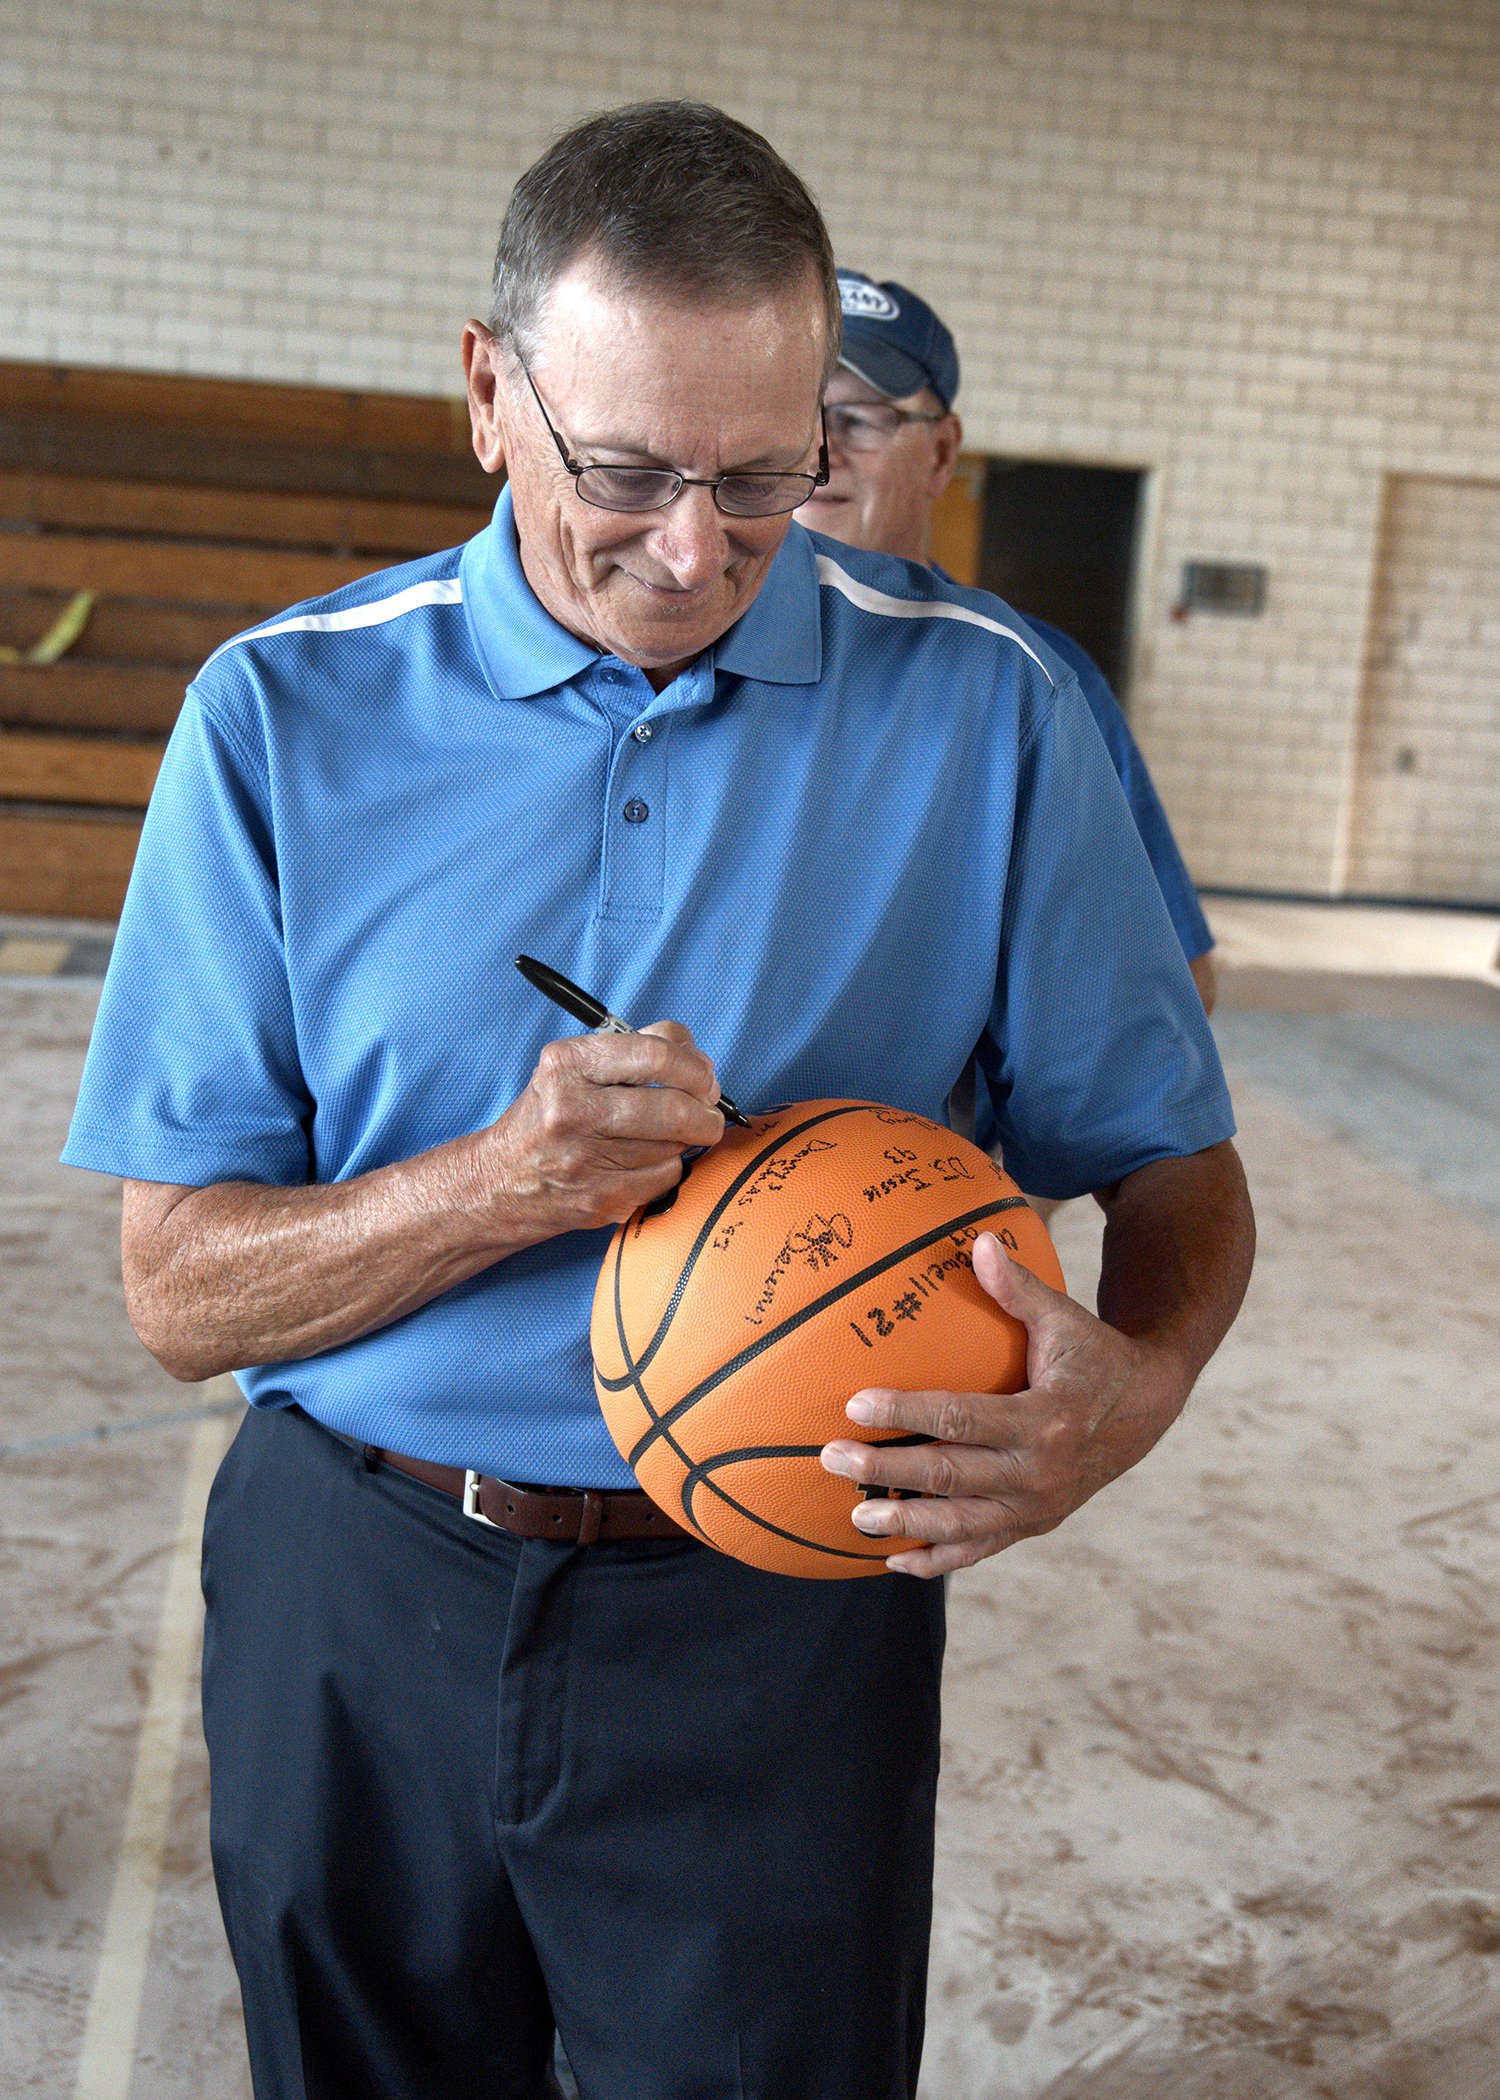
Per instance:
x=1014, y=1289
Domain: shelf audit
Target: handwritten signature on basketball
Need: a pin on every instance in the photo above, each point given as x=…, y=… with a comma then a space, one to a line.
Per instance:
x=910, y=1173
x=819, y=1243
x=773, y=1178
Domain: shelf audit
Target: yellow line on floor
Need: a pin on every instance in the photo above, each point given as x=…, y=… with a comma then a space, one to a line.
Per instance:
x=108, y=2059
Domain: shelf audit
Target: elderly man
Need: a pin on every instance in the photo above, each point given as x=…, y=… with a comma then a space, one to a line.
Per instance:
x=893, y=442
x=476, y=1779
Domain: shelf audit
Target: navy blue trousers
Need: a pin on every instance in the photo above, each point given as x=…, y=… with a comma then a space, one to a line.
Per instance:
x=467, y=1791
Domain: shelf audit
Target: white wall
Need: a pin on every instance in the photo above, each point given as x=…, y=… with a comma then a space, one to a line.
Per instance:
x=1251, y=244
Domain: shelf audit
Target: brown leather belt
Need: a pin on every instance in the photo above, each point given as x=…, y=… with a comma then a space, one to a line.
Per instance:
x=572, y=1515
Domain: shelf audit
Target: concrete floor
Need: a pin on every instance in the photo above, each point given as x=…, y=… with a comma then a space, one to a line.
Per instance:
x=1220, y=1809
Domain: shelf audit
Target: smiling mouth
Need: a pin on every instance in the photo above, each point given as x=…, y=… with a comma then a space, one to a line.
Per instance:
x=674, y=593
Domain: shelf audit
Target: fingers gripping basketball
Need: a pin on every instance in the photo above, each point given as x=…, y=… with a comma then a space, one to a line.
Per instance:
x=829, y=1247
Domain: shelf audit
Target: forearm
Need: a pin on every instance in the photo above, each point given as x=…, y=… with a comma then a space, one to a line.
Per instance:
x=243, y=1274
x=990, y=1468
x=1179, y=1240
x=237, y=1274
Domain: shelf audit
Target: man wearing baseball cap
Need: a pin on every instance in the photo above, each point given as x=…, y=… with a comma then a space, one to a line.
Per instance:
x=894, y=441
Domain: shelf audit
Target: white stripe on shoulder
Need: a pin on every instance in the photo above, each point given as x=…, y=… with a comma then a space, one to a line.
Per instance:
x=870, y=600
x=448, y=590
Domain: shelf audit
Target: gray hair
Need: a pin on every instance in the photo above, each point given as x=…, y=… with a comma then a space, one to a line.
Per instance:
x=672, y=196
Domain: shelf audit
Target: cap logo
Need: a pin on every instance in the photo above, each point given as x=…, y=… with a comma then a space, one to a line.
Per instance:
x=866, y=302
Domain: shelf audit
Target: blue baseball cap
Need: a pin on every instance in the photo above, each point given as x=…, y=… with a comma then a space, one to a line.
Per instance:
x=894, y=341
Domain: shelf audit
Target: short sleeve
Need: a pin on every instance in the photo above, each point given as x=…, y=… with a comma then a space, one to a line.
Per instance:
x=192, y=1075
x=1098, y=1057
x=1151, y=821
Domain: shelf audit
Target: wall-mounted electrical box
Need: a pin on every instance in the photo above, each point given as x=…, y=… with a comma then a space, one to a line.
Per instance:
x=1223, y=587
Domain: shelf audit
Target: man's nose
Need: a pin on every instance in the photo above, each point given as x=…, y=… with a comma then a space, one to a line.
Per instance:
x=691, y=538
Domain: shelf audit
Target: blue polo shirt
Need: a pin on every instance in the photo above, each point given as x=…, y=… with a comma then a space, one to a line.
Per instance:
x=1167, y=864
x=870, y=829
x=1151, y=822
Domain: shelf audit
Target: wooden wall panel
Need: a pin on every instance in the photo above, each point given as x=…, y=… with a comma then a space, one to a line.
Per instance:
x=1426, y=793
x=73, y=695
x=958, y=521
x=255, y=577
x=229, y=459
x=125, y=630
x=267, y=517
x=189, y=509
x=65, y=863
x=36, y=766
x=320, y=415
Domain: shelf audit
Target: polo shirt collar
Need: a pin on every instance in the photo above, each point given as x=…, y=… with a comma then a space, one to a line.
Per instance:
x=779, y=640
x=525, y=651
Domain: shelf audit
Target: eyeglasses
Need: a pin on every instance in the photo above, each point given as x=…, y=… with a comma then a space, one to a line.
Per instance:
x=864, y=426
x=653, y=488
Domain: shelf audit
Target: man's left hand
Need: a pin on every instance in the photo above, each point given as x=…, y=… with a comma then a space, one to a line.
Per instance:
x=1007, y=1466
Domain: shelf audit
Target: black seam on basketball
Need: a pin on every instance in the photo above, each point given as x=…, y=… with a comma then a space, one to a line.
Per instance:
x=694, y=1472
x=661, y=1429
x=751, y=1169
x=634, y=1376
x=662, y=1423
x=698, y=1477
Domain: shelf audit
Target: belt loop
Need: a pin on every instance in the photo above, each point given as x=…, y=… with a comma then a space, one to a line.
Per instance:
x=590, y=1517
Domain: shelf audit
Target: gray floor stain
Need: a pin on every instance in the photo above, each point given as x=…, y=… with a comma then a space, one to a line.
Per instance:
x=1422, y=1095
x=1220, y=1814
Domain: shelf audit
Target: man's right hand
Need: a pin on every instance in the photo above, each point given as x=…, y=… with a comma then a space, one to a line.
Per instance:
x=240, y=1273
x=601, y=1128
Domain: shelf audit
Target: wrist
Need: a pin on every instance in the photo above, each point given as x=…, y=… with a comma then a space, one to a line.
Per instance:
x=483, y=1196
x=1169, y=1368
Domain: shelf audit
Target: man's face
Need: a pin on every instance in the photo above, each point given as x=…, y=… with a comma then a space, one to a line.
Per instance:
x=630, y=378
x=881, y=492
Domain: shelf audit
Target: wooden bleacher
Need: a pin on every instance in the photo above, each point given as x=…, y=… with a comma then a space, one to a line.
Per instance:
x=189, y=509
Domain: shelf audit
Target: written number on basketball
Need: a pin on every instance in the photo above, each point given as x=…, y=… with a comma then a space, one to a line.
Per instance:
x=923, y=1288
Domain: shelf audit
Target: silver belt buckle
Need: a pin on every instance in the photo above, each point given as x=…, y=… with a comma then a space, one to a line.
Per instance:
x=471, y=1502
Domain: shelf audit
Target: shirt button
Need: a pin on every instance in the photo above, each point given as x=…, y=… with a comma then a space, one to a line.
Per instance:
x=643, y=732
x=635, y=812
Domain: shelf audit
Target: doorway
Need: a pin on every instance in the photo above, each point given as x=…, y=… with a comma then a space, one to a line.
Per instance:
x=1057, y=542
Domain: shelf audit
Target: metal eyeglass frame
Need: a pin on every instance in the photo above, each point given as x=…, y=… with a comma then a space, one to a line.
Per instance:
x=576, y=469
x=902, y=416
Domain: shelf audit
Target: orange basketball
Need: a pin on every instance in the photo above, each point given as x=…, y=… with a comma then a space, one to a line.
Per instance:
x=828, y=1248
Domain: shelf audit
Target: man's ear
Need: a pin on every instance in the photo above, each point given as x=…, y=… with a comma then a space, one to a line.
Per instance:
x=947, y=443
x=481, y=356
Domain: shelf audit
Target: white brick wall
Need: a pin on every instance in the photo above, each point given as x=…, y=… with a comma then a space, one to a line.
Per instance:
x=1251, y=244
